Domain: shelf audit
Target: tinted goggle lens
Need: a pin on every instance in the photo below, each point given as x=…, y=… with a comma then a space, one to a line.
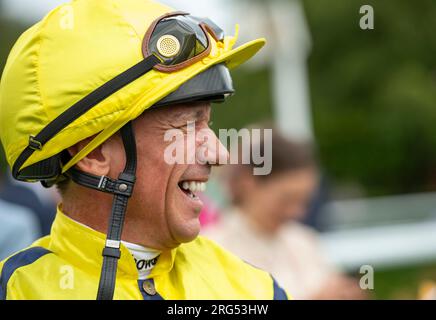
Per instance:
x=182, y=38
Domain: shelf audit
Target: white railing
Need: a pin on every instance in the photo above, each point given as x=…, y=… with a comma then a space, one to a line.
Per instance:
x=382, y=232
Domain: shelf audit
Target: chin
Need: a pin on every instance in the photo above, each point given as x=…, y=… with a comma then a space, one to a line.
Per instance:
x=184, y=204
x=184, y=216
x=184, y=231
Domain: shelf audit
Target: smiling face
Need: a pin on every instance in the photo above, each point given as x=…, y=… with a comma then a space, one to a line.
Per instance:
x=164, y=209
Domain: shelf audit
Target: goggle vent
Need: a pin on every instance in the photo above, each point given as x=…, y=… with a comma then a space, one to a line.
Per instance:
x=168, y=46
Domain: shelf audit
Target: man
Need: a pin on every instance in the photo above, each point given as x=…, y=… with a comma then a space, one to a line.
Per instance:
x=86, y=99
x=264, y=228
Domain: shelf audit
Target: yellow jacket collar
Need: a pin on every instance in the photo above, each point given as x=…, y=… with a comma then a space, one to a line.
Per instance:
x=83, y=246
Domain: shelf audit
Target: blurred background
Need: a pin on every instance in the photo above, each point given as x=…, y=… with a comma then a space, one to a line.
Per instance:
x=364, y=99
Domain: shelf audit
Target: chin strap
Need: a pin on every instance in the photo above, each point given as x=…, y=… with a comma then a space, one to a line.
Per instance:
x=122, y=189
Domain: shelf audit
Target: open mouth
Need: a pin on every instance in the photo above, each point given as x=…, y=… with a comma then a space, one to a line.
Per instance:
x=190, y=188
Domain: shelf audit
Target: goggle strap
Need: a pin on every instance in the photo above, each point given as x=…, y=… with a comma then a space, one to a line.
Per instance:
x=81, y=107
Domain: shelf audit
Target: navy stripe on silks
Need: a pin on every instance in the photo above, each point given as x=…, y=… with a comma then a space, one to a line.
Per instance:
x=279, y=293
x=146, y=296
x=18, y=260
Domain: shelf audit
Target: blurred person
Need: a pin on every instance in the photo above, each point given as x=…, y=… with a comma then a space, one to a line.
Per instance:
x=96, y=128
x=264, y=229
x=18, y=228
x=19, y=194
x=312, y=218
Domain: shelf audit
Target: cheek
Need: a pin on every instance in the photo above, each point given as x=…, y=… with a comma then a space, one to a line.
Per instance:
x=152, y=177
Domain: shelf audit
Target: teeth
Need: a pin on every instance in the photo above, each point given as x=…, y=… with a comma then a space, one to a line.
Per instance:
x=202, y=186
x=185, y=185
x=194, y=186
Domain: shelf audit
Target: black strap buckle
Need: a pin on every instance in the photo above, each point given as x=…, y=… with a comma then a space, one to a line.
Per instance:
x=34, y=144
x=112, y=249
x=102, y=183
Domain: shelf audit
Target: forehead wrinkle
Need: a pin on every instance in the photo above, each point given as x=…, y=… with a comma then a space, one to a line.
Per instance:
x=202, y=113
x=193, y=114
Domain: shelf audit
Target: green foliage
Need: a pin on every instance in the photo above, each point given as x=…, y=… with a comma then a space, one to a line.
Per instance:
x=373, y=93
x=251, y=103
x=402, y=282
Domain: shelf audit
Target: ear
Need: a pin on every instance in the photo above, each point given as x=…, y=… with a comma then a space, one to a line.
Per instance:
x=97, y=162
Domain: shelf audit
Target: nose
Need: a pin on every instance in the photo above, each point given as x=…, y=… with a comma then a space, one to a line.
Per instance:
x=210, y=150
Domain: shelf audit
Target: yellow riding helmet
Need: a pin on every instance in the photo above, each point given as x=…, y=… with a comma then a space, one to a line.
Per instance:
x=91, y=55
